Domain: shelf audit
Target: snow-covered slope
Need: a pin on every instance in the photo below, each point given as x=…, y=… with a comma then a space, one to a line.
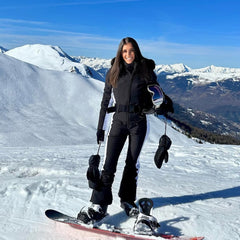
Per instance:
x=47, y=57
x=42, y=107
x=196, y=193
x=47, y=134
x=45, y=107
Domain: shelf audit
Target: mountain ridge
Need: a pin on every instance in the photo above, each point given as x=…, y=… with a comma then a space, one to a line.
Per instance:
x=212, y=89
x=99, y=63
x=41, y=107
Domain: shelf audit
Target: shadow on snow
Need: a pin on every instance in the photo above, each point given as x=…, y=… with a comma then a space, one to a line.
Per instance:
x=225, y=193
x=167, y=226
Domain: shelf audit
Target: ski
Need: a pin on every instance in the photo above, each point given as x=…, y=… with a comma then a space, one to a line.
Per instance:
x=113, y=232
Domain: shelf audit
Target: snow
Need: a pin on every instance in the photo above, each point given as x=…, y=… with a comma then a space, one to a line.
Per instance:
x=45, y=107
x=47, y=134
x=54, y=58
x=199, y=76
x=47, y=57
x=208, y=74
x=96, y=63
x=172, y=68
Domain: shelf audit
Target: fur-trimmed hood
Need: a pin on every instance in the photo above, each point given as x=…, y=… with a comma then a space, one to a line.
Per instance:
x=149, y=63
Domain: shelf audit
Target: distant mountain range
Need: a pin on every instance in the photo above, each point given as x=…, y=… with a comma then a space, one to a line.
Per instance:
x=206, y=98
x=217, y=94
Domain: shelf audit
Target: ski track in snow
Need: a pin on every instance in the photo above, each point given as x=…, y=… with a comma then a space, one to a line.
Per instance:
x=196, y=193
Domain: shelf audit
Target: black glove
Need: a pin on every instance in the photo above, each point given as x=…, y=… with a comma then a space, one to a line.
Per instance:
x=100, y=136
x=165, y=107
x=93, y=173
x=162, y=153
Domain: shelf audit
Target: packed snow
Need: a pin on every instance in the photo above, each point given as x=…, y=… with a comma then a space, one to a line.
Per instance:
x=47, y=134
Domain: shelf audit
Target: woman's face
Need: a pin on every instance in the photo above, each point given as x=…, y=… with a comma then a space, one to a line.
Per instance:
x=128, y=53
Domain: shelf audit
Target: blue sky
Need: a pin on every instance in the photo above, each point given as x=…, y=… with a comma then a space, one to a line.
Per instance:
x=197, y=33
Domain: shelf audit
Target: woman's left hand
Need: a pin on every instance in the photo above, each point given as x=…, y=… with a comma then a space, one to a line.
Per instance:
x=165, y=107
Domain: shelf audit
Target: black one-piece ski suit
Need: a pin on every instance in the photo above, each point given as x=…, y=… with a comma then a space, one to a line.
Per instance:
x=130, y=96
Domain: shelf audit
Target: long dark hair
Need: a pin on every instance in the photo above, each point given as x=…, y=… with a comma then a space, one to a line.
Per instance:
x=117, y=66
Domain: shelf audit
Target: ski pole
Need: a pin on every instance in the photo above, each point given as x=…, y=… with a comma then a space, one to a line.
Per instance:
x=99, y=145
x=165, y=125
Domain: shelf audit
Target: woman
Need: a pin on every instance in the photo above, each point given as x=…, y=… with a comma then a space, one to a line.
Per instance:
x=127, y=79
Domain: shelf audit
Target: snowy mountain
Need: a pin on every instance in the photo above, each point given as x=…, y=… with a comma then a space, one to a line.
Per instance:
x=212, y=94
x=220, y=70
x=52, y=58
x=213, y=90
x=171, y=69
x=101, y=66
x=201, y=76
x=44, y=107
x=95, y=63
x=45, y=56
x=47, y=134
x=192, y=88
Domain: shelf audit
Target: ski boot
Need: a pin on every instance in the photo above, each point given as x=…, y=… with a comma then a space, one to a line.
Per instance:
x=94, y=214
x=130, y=209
